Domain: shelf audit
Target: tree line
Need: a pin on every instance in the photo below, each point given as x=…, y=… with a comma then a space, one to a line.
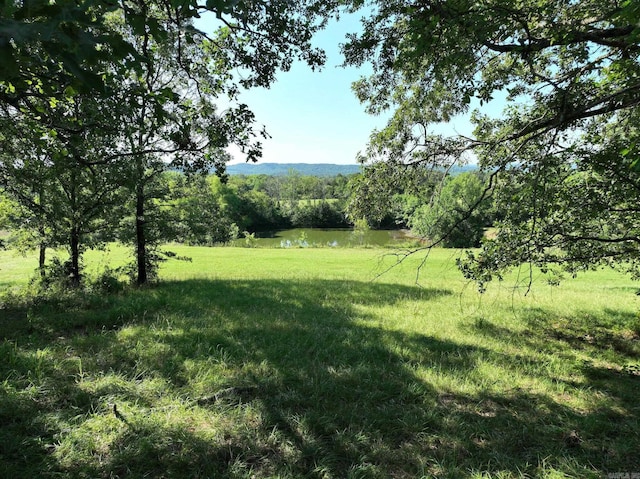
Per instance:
x=76, y=211
x=208, y=210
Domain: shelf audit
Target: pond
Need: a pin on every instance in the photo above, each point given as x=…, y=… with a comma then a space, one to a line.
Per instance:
x=333, y=237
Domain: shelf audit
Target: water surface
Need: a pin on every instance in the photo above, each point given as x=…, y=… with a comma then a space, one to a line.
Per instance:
x=333, y=237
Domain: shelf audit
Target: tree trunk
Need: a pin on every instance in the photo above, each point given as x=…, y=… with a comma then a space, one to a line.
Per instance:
x=74, y=273
x=41, y=259
x=41, y=231
x=141, y=242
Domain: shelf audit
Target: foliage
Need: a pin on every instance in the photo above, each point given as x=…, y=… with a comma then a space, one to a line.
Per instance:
x=54, y=170
x=318, y=214
x=174, y=123
x=61, y=48
x=381, y=193
x=562, y=157
x=453, y=218
x=249, y=239
x=16, y=221
x=198, y=215
x=263, y=203
x=252, y=209
x=161, y=76
x=203, y=210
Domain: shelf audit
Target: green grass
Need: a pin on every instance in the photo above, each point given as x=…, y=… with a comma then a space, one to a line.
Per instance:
x=294, y=363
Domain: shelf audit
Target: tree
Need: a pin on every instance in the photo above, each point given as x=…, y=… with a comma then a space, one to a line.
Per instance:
x=381, y=193
x=452, y=217
x=197, y=213
x=58, y=48
x=23, y=182
x=19, y=221
x=67, y=193
x=172, y=123
x=562, y=158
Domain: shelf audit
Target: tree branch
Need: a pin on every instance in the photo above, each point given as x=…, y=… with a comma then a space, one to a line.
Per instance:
x=601, y=37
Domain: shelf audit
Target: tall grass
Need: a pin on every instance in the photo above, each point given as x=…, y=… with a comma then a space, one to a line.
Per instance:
x=305, y=363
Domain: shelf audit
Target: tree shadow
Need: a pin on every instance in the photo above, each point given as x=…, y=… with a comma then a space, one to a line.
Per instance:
x=602, y=351
x=289, y=378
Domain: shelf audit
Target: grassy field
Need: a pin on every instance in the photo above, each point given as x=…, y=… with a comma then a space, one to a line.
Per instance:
x=248, y=363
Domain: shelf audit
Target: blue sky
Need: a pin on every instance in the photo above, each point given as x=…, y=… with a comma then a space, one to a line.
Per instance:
x=314, y=117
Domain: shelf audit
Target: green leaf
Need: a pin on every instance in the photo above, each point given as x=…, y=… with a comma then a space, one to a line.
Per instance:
x=69, y=91
x=137, y=23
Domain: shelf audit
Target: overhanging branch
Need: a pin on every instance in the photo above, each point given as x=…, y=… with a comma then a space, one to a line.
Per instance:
x=615, y=37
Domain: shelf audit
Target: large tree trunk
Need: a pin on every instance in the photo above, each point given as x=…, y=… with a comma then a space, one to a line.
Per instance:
x=141, y=241
x=74, y=273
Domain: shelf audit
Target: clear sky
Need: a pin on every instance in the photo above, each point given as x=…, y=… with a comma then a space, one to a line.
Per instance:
x=314, y=117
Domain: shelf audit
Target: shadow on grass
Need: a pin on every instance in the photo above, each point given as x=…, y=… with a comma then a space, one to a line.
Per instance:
x=272, y=378
x=601, y=351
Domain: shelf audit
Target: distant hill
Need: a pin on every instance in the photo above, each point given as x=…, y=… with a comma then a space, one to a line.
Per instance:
x=282, y=169
x=310, y=169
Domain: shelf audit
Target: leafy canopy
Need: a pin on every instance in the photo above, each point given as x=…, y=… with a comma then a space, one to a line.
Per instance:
x=454, y=216
x=562, y=156
x=61, y=47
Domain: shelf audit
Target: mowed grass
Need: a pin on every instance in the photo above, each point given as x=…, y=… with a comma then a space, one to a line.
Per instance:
x=255, y=363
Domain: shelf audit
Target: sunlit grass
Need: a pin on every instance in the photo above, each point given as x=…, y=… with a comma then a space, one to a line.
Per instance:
x=308, y=363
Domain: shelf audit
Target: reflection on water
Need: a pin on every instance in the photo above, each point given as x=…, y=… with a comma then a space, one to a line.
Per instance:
x=335, y=238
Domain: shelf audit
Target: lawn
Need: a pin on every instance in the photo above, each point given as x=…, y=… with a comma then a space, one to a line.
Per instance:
x=255, y=363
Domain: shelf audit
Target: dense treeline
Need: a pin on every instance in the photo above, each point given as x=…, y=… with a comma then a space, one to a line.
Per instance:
x=199, y=209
